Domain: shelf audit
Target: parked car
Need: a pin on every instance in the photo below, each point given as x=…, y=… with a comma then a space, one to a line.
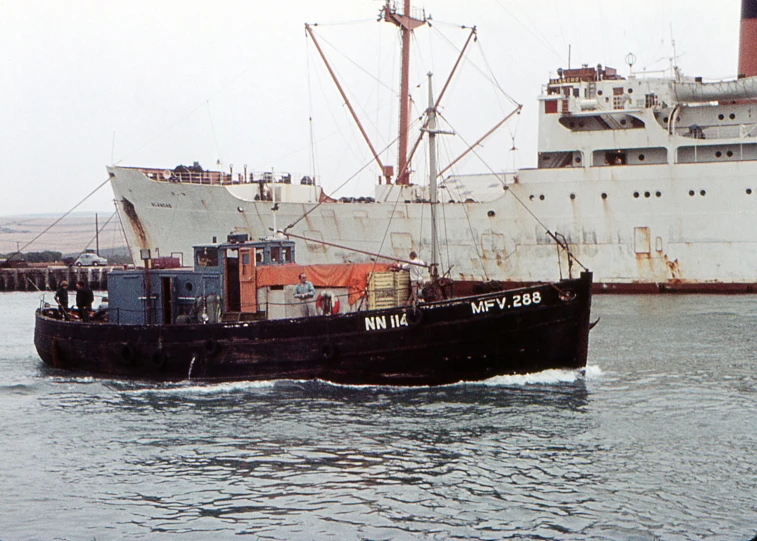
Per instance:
x=89, y=259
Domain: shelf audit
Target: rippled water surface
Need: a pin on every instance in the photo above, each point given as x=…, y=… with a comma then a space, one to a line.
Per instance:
x=655, y=441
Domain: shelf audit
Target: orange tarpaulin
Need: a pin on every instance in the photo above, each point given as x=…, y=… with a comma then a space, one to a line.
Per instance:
x=352, y=276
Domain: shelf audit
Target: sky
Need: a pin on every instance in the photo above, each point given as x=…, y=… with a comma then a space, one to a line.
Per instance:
x=87, y=83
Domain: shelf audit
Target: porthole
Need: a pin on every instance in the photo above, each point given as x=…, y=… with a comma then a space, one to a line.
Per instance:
x=658, y=193
x=691, y=193
x=630, y=90
x=572, y=196
x=749, y=191
x=578, y=159
x=604, y=195
x=490, y=213
x=665, y=120
x=541, y=197
x=636, y=195
x=623, y=122
x=721, y=116
x=702, y=193
x=732, y=116
x=189, y=286
x=641, y=157
x=647, y=194
x=531, y=197
x=599, y=92
x=729, y=153
x=718, y=154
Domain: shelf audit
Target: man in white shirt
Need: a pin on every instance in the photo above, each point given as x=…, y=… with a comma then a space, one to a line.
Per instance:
x=418, y=275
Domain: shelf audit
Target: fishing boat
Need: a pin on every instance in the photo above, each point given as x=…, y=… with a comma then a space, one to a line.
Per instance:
x=649, y=177
x=235, y=316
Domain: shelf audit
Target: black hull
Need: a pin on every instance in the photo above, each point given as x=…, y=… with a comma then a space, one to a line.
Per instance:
x=467, y=339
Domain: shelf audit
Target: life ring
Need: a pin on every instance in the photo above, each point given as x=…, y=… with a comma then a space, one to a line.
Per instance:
x=414, y=316
x=127, y=353
x=211, y=346
x=159, y=359
x=328, y=351
x=327, y=303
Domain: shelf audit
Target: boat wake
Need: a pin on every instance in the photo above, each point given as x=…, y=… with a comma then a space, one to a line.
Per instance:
x=547, y=377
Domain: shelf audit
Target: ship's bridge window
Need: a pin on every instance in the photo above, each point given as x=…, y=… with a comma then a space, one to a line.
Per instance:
x=207, y=257
x=259, y=255
x=275, y=254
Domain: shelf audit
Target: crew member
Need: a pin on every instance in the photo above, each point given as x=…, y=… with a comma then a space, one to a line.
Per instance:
x=61, y=297
x=84, y=300
x=304, y=292
x=418, y=274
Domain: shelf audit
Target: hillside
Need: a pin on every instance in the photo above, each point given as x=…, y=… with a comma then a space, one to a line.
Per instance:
x=70, y=236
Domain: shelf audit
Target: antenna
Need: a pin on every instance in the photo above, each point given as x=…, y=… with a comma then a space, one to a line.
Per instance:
x=630, y=60
x=674, y=60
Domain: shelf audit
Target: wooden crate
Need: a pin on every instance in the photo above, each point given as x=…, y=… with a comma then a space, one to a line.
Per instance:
x=388, y=289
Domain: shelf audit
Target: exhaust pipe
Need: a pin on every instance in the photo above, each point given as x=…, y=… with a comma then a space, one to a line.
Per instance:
x=748, y=39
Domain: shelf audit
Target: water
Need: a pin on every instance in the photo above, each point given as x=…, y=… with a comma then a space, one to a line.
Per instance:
x=655, y=441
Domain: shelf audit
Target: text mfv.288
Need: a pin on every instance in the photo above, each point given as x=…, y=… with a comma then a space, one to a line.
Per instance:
x=506, y=302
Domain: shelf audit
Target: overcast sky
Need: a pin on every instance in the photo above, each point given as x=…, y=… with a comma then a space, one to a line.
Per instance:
x=158, y=83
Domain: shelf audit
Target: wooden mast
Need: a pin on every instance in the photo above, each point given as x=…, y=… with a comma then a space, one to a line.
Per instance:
x=406, y=24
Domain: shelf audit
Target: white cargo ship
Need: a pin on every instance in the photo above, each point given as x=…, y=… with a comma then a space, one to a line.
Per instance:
x=652, y=181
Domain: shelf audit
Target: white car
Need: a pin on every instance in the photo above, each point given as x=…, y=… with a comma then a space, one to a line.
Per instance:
x=88, y=259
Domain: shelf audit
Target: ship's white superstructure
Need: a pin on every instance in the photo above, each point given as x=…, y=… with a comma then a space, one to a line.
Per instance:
x=652, y=181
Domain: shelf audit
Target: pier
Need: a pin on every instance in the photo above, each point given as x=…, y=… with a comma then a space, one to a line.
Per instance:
x=46, y=278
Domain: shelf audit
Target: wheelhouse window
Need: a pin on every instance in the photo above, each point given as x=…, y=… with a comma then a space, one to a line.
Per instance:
x=207, y=257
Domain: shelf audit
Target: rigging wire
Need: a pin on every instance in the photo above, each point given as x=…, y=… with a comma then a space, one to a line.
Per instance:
x=56, y=222
x=97, y=233
x=477, y=68
x=503, y=181
x=528, y=29
x=342, y=185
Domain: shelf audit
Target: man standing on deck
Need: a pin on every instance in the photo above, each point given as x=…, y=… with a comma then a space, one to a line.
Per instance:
x=61, y=297
x=418, y=275
x=84, y=300
x=304, y=292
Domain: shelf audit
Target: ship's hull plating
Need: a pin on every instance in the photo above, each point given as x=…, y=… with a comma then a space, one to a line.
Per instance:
x=643, y=228
x=513, y=332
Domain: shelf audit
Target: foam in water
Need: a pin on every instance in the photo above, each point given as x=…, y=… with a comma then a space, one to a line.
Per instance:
x=546, y=377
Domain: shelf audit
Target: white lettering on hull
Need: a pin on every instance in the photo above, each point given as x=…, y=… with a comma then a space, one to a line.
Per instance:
x=506, y=302
x=390, y=321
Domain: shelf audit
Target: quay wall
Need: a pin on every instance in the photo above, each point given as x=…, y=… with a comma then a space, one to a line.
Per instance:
x=49, y=278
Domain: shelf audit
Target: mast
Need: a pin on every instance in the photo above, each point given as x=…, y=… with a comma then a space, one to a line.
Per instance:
x=431, y=130
x=406, y=24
